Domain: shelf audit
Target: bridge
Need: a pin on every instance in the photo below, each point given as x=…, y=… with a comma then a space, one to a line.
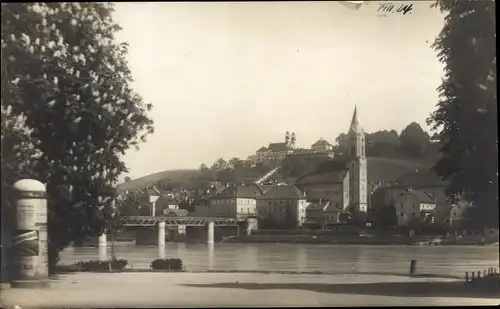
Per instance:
x=147, y=226
x=177, y=221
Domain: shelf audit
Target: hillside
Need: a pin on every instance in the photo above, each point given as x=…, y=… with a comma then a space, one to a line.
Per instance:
x=142, y=182
x=378, y=169
x=390, y=169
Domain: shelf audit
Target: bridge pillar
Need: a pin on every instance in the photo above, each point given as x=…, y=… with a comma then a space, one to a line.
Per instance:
x=161, y=234
x=210, y=232
x=103, y=247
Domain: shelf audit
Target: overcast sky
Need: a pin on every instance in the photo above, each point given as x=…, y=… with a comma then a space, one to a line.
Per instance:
x=227, y=78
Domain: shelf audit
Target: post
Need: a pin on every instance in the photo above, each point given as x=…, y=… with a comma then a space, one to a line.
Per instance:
x=484, y=273
x=472, y=277
x=103, y=247
x=210, y=232
x=29, y=243
x=466, y=276
x=161, y=239
x=413, y=267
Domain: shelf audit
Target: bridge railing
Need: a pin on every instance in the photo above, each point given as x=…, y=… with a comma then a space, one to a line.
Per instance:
x=175, y=221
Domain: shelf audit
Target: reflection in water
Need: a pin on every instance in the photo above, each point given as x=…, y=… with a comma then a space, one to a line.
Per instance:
x=211, y=256
x=181, y=250
x=301, y=262
x=103, y=253
x=443, y=260
x=161, y=252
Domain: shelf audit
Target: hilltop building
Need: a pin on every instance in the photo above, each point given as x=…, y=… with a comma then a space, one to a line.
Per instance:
x=344, y=183
x=278, y=151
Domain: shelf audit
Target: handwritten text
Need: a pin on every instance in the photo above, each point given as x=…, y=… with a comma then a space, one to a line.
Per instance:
x=389, y=7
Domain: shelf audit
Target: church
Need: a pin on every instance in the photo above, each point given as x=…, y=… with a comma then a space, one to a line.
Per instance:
x=343, y=182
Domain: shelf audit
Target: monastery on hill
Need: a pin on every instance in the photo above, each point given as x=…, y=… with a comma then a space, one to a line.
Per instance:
x=279, y=151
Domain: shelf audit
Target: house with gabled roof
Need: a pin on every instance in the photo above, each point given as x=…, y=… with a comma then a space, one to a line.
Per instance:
x=323, y=214
x=235, y=201
x=281, y=207
x=414, y=206
x=322, y=146
x=330, y=185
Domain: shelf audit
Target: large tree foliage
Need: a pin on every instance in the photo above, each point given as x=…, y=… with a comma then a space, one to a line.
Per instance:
x=466, y=115
x=412, y=143
x=414, y=140
x=65, y=73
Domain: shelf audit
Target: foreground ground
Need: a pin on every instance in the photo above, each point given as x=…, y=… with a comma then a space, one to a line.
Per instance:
x=243, y=289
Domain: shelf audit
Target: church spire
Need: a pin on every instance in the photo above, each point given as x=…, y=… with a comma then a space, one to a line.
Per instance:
x=355, y=122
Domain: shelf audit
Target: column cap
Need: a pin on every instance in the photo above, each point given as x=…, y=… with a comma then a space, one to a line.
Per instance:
x=24, y=185
x=29, y=188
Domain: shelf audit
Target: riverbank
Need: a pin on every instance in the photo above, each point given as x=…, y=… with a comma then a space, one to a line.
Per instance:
x=245, y=289
x=359, y=240
x=74, y=268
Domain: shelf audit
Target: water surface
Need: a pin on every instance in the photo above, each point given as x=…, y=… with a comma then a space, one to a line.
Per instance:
x=440, y=260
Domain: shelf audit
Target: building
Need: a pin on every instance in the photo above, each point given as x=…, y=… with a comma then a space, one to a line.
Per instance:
x=235, y=202
x=322, y=215
x=277, y=151
x=343, y=181
x=429, y=183
x=281, y=207
x=322, y=146
x=414, y=207
x=330, y=186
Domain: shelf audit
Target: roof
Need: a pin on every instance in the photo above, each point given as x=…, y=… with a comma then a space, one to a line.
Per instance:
x=323, y=206
x=420, y=178
x=277, y=146
x=355, y=122
x=321, y=142
x=422, y=196
x=283, y=192
x=152, y=191
x=262, y=149
x=169, y=200
x=334, y=176
x=247, y=191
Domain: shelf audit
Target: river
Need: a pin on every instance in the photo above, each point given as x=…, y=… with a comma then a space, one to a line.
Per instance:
x=439, y=260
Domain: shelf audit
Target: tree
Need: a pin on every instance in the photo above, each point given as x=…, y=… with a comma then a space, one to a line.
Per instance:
x=236, y=163
x=414, y=140
x=63, y=71
x=382, y=144
x=466, y=115
x=128, y=179
x=220, y=164
x=343, y=145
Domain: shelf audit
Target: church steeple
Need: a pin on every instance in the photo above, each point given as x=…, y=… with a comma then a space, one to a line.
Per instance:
x=358, y=165
x=355, y=122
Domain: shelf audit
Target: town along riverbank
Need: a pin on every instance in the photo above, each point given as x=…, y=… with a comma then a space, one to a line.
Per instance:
x=362, y=239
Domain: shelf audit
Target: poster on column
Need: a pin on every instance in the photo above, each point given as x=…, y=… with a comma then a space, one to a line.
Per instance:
x=26, y=243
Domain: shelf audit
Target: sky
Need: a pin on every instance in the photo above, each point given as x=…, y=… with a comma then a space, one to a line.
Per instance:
x=226, y=78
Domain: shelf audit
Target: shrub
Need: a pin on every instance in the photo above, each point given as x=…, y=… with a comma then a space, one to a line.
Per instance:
x=96, y=265
x=168, y=264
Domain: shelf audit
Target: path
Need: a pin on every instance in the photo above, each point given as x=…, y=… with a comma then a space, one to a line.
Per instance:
x=230, y=289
